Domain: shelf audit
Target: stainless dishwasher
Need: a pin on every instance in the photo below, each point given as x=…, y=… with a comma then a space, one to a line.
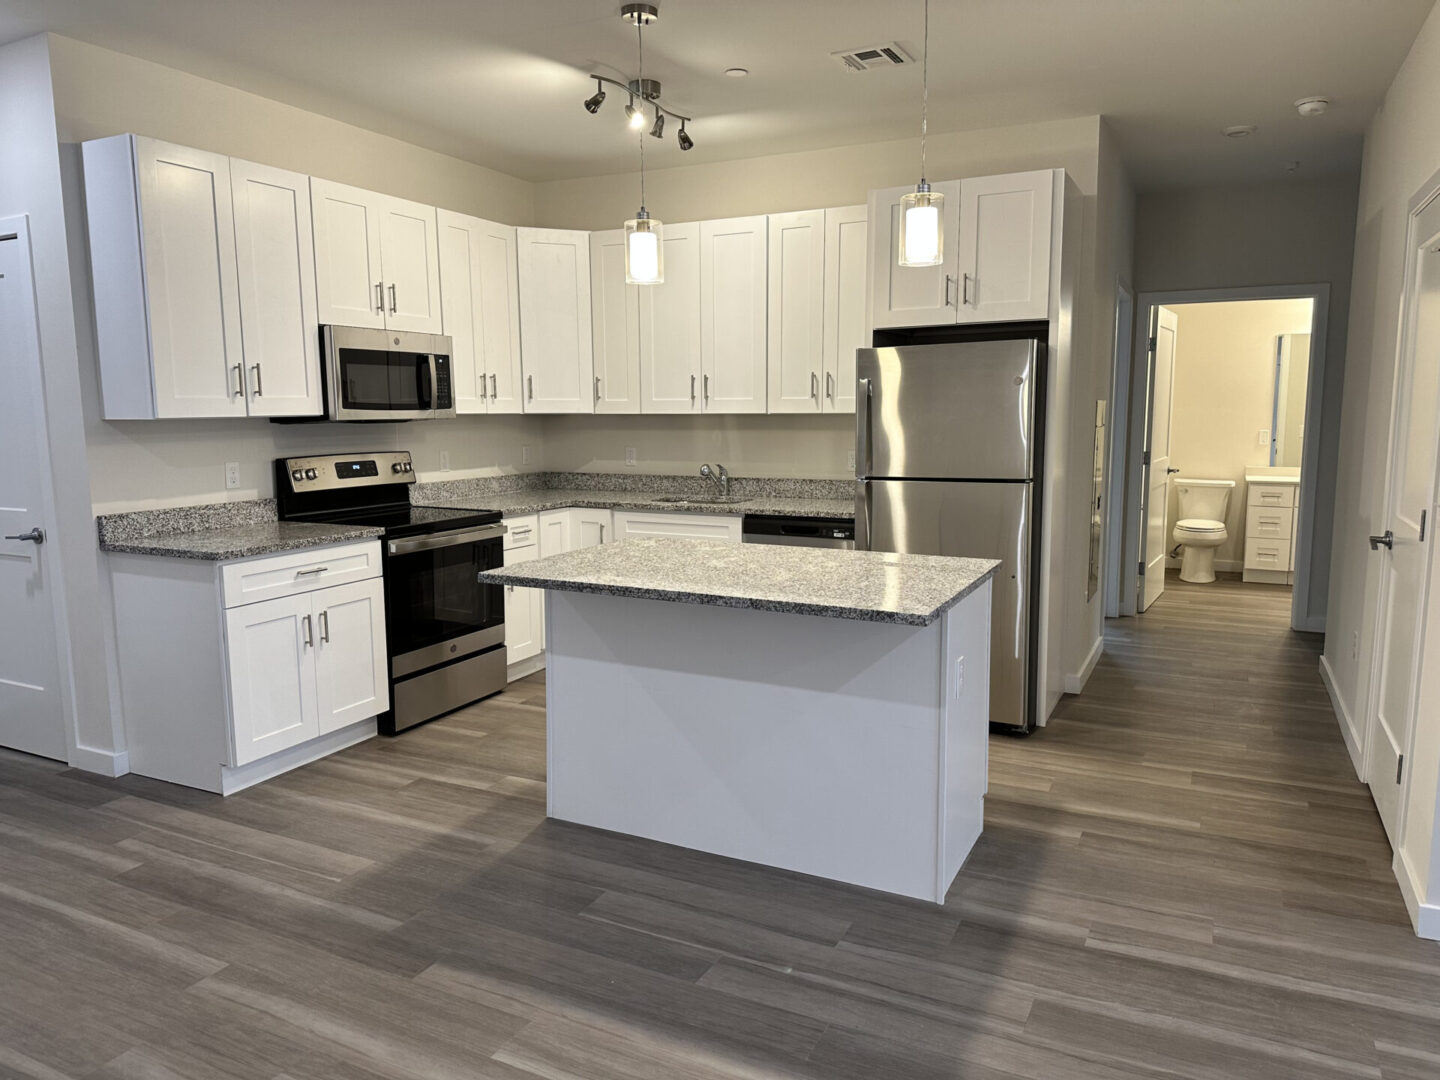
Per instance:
x=798, y=531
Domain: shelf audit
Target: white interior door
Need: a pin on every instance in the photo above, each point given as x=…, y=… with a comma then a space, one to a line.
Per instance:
x=1409, y=520
x=1157, y=455
x=31, y=710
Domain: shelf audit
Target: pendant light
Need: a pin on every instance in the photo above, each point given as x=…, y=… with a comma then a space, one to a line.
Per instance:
x=644, y=249
x=922, y=233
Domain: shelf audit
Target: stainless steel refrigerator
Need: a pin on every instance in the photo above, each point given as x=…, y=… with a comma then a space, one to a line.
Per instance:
x=948, y=445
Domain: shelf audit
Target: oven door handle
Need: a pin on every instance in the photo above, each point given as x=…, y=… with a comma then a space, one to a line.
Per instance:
x=445, y=539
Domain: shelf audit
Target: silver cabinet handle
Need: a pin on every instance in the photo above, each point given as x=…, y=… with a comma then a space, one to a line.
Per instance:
x=530, y=387
x=1385, y=540
x=707, y=388
x=602, y=532
x=239, y=390
x=312, y=570
x=482, y=388
x=815, y=387
x=34, y=536
x=309, y=631
x=392, y=298
x=830, y=385
x=380, y=297
x=493, y=392
x=948, y=282
x=597, y=388
x=965, y=291
x=325, y=625
x=692, y=389
x=259, y=386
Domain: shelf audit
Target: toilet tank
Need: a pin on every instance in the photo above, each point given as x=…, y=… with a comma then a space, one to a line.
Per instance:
x=1204, y=498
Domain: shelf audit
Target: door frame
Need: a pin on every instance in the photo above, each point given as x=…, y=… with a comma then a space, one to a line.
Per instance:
x=1116, y=458
x=1146, y=302
x=16, y=229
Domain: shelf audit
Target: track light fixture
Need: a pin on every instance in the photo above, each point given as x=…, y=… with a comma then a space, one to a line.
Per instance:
x=642, y=91
x=633, y=116
x=684, y=139
x=592, y=104
x=658, y=129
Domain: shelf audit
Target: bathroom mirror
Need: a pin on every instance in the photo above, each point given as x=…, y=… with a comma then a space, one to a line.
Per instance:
x=1097, y=487
x=1292, y=379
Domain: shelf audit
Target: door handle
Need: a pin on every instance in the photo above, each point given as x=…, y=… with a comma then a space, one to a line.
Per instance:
x=239, y=382
x=380, y=297
x=1385, y=540
x=325, y=625
x=1171, y=471
x=393, y=308
x=830, y=386
x=34, y=536
x=862, y=428
x=597, y=388
x=259, y=385
x=530, y=386
x=309, y=631
x=815, y=387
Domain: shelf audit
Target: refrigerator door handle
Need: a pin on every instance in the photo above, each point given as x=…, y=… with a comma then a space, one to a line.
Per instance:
x=862, y=515
x=863, y=462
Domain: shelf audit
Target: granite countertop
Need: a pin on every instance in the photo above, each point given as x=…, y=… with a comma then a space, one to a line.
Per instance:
x=535, y=500
x=237, y=541
x=872, y=586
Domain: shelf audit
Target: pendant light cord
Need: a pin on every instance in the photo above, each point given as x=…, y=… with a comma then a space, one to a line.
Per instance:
x=924, y=91
x=640, y=47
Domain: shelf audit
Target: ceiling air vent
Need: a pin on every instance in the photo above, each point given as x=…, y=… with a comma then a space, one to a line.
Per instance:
x=876, y=56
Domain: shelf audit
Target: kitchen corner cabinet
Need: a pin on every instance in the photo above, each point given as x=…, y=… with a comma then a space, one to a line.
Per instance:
x=670, y=365
x=615, y=325
x=480, y=311
x=555, y=332
x=997, y=250
x=235, y=672
x=377, y=260
x=734, y=297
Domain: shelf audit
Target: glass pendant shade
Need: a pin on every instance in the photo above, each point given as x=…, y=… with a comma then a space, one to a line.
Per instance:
x=644, y=251
x=922, y=235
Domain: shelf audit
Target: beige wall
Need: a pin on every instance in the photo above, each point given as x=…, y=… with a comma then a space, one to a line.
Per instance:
x=1223, y=396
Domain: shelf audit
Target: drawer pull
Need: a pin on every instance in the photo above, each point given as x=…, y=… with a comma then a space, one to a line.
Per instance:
x=312, y=570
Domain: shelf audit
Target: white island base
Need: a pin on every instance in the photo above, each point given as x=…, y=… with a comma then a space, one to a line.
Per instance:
x=847, y=749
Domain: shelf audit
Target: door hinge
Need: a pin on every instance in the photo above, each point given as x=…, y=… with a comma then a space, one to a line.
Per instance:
x=1145, y=458
x=1151, y=344
x=1141, y=568
x=1399, y=767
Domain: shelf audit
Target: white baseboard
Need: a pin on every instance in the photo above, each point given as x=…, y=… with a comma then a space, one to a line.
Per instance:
x=104, y=762
x=1075, y=681
x=235, y=778
x=1425, y=917
x=1314, y=624
x=521, y=668
x=1342, y=717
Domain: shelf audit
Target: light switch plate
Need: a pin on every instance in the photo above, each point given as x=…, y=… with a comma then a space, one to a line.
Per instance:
x=232, y=475
x=630, y=456
x=1264, y=437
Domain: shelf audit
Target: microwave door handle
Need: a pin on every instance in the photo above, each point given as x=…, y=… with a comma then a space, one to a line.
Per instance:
x=425, y=374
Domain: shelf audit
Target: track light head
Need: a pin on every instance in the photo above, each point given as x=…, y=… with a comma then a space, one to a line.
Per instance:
x=634, y=116
x=686, y=143
x=658, y=130
x=592, y=104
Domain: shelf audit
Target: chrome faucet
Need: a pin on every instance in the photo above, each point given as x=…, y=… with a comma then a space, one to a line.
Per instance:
x=718, y=476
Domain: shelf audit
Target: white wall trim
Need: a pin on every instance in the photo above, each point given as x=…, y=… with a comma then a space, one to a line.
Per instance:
x=1342, y=716
x=1424, y=917
x=1075, y=681
x=104, y=762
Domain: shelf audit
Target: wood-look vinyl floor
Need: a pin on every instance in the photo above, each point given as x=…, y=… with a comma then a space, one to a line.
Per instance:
x=1179, y=877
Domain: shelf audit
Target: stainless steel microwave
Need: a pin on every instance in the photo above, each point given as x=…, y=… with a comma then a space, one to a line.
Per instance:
x=375, y=374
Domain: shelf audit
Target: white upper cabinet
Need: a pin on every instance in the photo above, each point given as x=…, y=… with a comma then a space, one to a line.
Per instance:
x=275, y=259
x=377, y=261
x=555, y=332
x=733, y=302
x=480, y=308
x=615, y=323
x=1004, y=247
x=167, y=302
x=905, y=295
x=670, y=328
x=797, y=312
x=847, y=326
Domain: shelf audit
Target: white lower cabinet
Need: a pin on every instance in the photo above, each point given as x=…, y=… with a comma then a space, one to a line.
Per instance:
x=589, y=527
x=524, y=608
x=722, y=527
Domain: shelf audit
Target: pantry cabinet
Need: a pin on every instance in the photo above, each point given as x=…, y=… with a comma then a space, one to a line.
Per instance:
x=555, y=331
x=615, y=325
x=670, y=365
x=480, y=311
x=733, y=307
x=377, y=260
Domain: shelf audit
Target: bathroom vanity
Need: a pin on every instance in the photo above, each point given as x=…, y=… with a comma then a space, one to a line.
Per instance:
x=1272, y=507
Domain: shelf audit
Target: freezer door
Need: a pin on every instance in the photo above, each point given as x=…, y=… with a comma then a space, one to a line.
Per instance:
x=963, y=411
x=982, y=520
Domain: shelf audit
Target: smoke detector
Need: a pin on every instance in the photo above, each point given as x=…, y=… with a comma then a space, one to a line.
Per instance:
x=876, y=56
x=1239, y=131
x=1312, y=106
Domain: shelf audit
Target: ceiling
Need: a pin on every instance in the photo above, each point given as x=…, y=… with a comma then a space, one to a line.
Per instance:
x=501, y=84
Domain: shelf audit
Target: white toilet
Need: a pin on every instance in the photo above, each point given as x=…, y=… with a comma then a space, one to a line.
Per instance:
x=1201, y=527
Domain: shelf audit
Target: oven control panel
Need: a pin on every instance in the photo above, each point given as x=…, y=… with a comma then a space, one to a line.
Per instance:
x=332, y=471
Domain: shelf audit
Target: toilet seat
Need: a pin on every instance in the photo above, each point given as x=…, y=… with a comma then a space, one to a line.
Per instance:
x=1200, y=525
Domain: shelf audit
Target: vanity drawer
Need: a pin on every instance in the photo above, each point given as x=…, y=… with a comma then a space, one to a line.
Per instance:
x=1269, y=523
x=273, y=576
x=1272, y=494
x=522, y=531
x=1267, y=554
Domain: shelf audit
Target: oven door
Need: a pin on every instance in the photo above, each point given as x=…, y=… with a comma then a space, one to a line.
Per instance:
x=379, y=375
x=435, y=609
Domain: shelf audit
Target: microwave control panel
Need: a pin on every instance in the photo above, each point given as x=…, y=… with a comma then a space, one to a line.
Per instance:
x=443, y=397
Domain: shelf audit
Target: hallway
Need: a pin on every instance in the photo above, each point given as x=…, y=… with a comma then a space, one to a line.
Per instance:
x=1180, y=877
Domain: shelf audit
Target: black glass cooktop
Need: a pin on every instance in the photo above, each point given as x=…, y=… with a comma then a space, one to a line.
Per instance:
x=406, y=520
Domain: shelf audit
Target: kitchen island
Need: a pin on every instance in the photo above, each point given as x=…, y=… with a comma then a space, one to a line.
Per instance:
x=818, y=710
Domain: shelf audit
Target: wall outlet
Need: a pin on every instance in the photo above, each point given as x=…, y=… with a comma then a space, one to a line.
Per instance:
x=1355, y=645
x=232, y=475
x=524, y=454
x=850, y=459
x=444, y=460
x=1263, y=439
x=630, y=456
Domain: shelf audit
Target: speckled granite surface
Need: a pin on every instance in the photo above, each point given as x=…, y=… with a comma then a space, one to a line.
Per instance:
x=534, y=500
x=873, y=586
x=217, y=531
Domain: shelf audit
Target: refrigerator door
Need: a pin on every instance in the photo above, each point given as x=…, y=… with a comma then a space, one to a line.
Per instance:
x=964, y=410
x=981, y=520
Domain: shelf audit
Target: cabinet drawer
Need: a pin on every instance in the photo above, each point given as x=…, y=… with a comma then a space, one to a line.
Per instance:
x=1272, y=494
x=298, y=572
x=522, y=531
x=1267, y=554
x=692, y=526
x=1269, y=523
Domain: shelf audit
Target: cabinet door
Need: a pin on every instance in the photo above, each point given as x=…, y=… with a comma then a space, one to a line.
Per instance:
x=270, y=653
x=554, y=532
x=589, y=527
x=615, y=325
x=460, y=309
x=1005, y=247
x=188, y=240
x=555, y=351
x=670, y=328
x=348, y=274
x=524, y=612
x=733, y=299
x=351, y=670
x=275, y=257
x=797, y=311
x=847, y=327
x=499, y=309
x=911, y=295
x=410, y=266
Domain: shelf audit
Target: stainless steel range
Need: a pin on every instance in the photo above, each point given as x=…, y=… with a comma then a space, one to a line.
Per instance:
x=445, y=630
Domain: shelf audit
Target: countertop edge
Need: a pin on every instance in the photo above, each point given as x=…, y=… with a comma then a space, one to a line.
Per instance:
x=148, y=546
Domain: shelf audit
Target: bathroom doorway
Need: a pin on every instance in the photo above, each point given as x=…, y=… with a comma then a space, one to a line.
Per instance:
x=1223, y=454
